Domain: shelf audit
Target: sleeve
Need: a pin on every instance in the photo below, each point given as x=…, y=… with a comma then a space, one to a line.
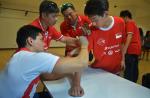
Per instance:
x=130, y=27
x=55, y=34
x=43, y=62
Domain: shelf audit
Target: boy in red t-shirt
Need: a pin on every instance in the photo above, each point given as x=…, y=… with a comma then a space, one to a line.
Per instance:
x=107, y=37
x=132, y=47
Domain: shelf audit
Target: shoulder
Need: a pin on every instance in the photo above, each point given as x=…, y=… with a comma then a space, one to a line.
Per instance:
x=35, y=56
x=118, y=19
x=35, y=22
x=131, y=22
x=83, y=17
x=63, y=24
x=52, y=29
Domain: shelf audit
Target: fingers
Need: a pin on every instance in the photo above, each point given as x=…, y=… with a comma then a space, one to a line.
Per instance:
x=74, y=52
x=76, y=92
x=83, y=40
x=86, y=31
x=123, y=65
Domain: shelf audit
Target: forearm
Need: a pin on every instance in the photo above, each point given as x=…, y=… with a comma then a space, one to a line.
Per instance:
x=127, y=43
x=52, y=76
x=76, y=79
x=72, y=64
x=69, y=40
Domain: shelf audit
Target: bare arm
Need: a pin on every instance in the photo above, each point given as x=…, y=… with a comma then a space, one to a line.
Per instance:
x=70, y=41
x=76, y=90
x=124, y=49
x=128, y=40
x=74, y=64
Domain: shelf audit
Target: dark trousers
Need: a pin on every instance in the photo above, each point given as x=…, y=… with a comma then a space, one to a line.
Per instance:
x=131, y=71
x=42, y=95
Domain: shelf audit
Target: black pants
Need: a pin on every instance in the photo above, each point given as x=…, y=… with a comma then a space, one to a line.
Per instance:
x=131, y=71
x=42, y=95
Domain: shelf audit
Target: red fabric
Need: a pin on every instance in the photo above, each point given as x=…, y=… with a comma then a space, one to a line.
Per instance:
x=20, y=49
x=49, y=34
x=30, y=87
x=34, y=81
x=135, y=45
x=67, y=29
x=106, y=46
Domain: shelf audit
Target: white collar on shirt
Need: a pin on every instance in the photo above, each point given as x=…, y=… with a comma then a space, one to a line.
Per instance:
x=109, y=27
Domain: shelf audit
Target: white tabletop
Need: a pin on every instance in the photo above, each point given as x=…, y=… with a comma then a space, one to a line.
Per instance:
x=99, y=84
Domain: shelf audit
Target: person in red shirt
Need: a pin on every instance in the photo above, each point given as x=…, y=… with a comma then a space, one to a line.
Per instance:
x=72, y=26
x=48, y=12
x=132, y=46
x=107, y=37
x=48, y=16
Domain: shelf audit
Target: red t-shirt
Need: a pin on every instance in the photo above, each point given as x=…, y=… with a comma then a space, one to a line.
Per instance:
x=135, y=45
x=106, y=45
x=49, y=34
x=67, y=29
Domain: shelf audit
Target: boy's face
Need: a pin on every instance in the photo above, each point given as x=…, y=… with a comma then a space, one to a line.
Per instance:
x=38, y=43
x=70, y=15
x=50, y=19
x=97, y=21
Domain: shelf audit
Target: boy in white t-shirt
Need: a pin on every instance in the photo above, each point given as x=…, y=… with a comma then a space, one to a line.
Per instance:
x=21, y=75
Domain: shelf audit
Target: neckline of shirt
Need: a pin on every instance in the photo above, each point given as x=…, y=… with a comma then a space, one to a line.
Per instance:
x=110, y=26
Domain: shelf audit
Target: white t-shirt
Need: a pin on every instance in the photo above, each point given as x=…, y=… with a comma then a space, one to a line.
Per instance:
x=22, y=68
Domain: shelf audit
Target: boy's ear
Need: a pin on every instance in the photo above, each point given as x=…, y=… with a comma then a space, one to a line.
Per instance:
x=29, y=41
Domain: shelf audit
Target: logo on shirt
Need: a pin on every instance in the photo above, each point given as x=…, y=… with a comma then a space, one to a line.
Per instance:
x=118, y=35
x=101, y=42
x=110, y=52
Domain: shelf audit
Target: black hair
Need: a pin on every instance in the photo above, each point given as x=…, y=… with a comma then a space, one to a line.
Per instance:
x=25, y=32
x=126, y=13
x=96, y=7
x=147, y=34
x=141, y=31
x=65, y=6
x=48, y=7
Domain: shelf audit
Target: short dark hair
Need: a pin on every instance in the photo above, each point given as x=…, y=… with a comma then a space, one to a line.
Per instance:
x=48, y=7
x=96, y=7
x=65, y=6
x=126, y=13
x=25, y=32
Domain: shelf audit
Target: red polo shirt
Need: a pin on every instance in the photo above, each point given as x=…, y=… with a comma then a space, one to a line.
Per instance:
x=135, y=45
x=67, y=29
x=106, y=45
x=49, y=34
